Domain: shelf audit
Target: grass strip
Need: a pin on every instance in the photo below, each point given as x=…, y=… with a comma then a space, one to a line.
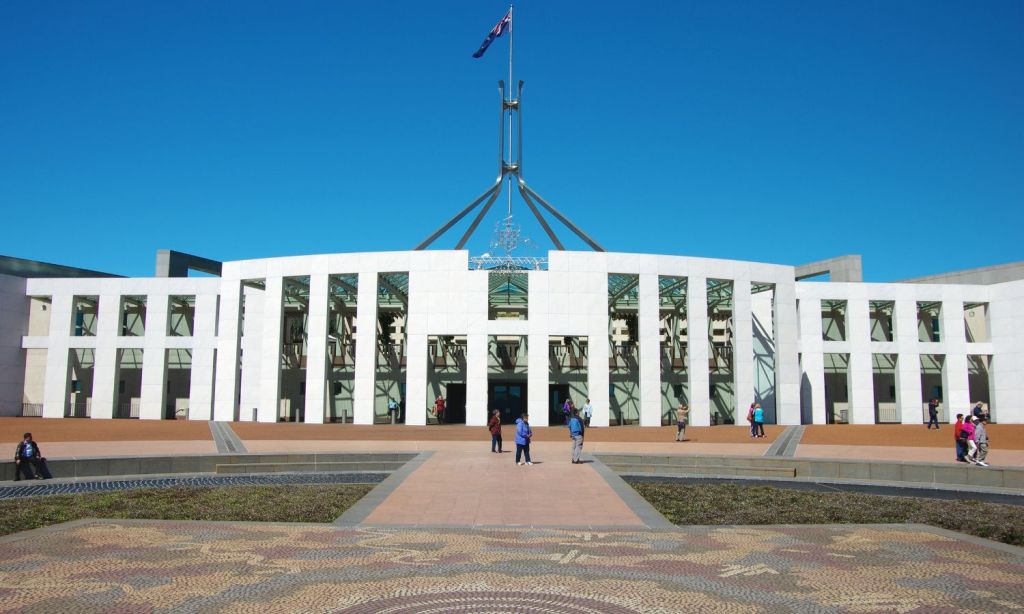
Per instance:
x=728, y=504
x=277, y=503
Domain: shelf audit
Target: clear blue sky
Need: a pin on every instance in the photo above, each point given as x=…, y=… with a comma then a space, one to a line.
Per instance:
x=771, y=131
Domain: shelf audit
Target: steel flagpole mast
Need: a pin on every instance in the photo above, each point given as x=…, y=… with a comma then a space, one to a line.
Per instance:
x=511, y=34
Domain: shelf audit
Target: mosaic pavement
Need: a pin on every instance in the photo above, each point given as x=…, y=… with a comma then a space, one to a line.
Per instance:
x=159, y=566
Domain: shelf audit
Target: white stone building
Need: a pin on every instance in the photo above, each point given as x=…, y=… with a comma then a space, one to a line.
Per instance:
x=329, y=338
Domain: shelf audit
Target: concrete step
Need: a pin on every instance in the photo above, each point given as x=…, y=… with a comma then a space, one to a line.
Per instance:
x=703, y=469
x=862, y=469
x=310, y=467
x=696, y=461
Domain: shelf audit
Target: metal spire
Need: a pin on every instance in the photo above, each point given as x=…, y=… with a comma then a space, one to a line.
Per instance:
x=510, y=165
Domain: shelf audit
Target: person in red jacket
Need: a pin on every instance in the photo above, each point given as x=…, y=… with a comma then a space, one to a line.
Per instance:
x=961, y=446
x=494, y=426
x=439, y=409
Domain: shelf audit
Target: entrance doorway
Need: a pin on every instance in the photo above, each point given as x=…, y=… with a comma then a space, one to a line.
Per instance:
x=455, y=404
x=509, y=398
x=557, y=394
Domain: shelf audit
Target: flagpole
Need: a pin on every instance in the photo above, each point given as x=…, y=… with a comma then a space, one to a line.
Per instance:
x=511, y=33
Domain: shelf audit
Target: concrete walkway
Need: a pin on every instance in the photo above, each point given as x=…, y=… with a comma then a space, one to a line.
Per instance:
x=464, y=484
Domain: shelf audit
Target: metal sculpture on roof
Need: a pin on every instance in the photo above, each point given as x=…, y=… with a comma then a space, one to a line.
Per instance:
x=510, y=166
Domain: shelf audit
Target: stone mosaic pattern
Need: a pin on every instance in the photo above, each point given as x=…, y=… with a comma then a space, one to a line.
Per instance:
x=161, y=566
x=35, y=488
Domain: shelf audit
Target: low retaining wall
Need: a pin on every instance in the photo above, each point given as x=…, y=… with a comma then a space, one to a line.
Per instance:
x=206, y=463
x=867, y=471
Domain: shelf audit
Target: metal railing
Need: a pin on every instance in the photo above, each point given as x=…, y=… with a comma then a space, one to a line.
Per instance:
x=32, y=410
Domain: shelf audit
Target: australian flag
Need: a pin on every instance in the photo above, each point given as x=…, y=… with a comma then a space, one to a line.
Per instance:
x=503, y=25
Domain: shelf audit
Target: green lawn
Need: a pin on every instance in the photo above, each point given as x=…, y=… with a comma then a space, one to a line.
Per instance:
x=298, y=503
x=725, y=504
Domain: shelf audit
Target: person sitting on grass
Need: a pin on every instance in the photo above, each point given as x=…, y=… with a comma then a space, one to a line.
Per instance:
x=28, y=453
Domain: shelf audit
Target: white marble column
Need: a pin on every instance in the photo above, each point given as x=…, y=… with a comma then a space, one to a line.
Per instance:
x=154, y=359
x=366, y=351
x=862, y=386
x=649, y=350
x=204, y=349
x=787, y=351
x=813, y=357
x=697, y=346
x=229, y=330
x=416, y=379
x=58, y=358
x=105, y=369
x=316, y=349
x=908, y=363
x=955, y=382
x=269, y=407
x=743, y=348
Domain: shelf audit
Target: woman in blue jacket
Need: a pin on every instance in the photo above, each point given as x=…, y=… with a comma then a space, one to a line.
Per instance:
x=758, y=420
x=523, y=435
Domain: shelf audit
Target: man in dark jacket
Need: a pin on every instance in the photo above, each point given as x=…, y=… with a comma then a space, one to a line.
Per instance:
x=28, y=453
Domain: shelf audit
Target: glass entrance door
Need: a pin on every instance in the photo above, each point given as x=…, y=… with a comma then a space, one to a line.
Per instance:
x=507, y=397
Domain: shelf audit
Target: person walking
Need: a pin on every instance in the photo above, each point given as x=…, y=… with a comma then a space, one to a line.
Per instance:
x=393, y=410
x=967, y=434
x=933, y=413
x=494, y=426
x=981, y=441
x=750, y=420
x=588, y=411
x=681, y=413
x=439, y=409
x=576, y=434
x=567, y=410
x=523, y=435
x=961, y=444
x=28, y=453
x=758, y=420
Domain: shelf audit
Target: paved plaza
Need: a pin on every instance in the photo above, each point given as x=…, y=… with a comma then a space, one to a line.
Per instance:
x=461, y=529
x=160, y=566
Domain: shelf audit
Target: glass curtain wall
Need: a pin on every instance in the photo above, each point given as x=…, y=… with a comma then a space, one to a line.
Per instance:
x=181, y=316
x=883, y=376
x=979, y=382
x=129, y=383
x=84, y=311
x=931, y=385
x=833, y=320
x=294, y=349
x=507, y=375
x=976, y=325
x=929, y=318
x=179, y=383
x=568, y=359
x=81, y=368
x=721, y=345
x=133, y=316
x=675, y=385
x=881, y=321
x=837, y=388
x=342, y=303
x=446, y=377
x=623, y=340
x=392, y=311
